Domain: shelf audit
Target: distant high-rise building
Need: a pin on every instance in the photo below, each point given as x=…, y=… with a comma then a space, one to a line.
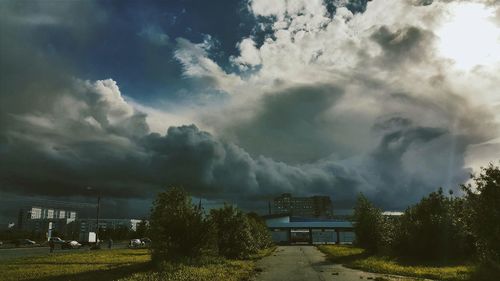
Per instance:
x=314, y=206
x=65, y=223
x=43, y=220
x=40, y=213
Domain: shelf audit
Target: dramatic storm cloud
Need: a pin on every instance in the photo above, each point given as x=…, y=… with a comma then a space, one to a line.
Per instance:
x=307, y=97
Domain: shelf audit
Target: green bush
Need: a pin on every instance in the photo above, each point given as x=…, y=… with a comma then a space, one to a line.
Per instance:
x=260, y=233
x=368, y=225
x=234, y=232
x=483, y=209
x=181, y=232
x=142, y=229
x=177, y=227
x=432, y=230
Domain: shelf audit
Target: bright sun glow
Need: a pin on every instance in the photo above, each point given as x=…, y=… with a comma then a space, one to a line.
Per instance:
x=470, y=37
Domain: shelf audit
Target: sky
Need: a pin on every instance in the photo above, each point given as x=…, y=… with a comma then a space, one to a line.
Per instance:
x=241, y=100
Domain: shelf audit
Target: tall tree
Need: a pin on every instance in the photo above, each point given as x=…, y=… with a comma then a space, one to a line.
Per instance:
x=483, y=202
x=177, y=227
x=367, y=227
x=431, y=229
x=234, y=233
x=142, y=228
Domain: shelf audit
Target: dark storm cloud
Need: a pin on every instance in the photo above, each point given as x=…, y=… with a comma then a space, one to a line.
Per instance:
x=212, y=168
x=450, y=111
x=289, y=126
x=423, y=2
x=411, y=159
x=402, y=45
x=59, y=152
x=405, y=170
x=185, y=156
x=392, y=123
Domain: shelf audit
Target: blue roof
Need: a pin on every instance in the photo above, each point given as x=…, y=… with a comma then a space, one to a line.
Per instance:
x=310, y=224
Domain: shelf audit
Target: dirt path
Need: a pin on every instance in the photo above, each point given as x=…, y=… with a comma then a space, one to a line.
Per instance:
x=301, y=263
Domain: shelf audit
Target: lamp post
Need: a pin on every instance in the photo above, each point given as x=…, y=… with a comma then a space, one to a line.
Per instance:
x=97, y=213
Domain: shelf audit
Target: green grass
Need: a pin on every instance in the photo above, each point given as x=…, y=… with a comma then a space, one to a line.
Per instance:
x=392, y=266
x=124, y=265
x=218, y=269
x=342, y=253
x=357, y=258
x=88, y=265
x=226, y=270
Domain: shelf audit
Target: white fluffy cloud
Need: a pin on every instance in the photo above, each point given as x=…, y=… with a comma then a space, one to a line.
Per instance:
x=194, y=58
x=249, y=54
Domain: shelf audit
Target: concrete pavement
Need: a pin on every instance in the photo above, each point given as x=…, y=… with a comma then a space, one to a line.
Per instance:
x=300, y=263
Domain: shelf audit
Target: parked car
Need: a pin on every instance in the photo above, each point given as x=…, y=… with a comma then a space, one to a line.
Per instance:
x=146, y=241
x=71, y=245
x=136, y=243
x=57, y=240
x=24, y=242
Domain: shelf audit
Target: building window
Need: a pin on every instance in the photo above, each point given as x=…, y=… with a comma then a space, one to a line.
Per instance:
x=50, y=214
x=36, y=213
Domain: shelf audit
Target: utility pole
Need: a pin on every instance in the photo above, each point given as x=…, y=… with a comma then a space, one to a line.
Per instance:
x=97, y=214
x=97, y=220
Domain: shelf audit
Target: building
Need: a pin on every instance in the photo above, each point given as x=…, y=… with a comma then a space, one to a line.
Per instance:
x=47, y=221
x=81, y=227
x=44, y=221
x=312, y=207
x=36, y=213
x=286, y=229
x=87, y=225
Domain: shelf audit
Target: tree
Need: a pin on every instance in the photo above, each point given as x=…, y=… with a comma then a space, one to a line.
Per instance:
x=177, y=227
x=142, y=229
x=387, y=228
x=260, y=233
x=483, y=206
x=367, y=227
x=431, y=230
x=233, y=232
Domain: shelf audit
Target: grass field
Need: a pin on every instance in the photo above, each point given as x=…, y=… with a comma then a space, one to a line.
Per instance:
x=357, y=258
x=89, y=265
x=221, y=270
x=121, y=264
x=218, y=269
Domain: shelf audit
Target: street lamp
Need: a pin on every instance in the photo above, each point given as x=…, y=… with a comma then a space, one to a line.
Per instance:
x=97, y=216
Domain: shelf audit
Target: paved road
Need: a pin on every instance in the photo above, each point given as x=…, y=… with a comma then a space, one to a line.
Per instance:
x=42, y=251
x=301, y=263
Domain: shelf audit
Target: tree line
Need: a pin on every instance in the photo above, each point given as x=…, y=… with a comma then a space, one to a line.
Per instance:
x=441, y=227
x=181, y=231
